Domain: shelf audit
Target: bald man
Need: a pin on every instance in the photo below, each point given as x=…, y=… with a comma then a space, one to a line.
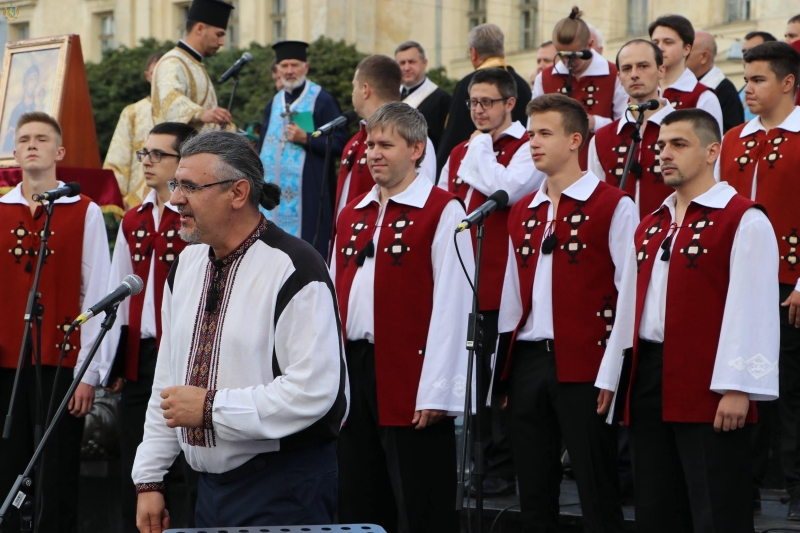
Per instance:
x=701, y=63
x=597, y=39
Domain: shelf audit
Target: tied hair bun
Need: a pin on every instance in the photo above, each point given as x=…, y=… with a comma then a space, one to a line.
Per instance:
x=270, y=196
x=575, y=13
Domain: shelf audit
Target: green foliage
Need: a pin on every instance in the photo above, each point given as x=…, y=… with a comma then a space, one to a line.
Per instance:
x=438, y=76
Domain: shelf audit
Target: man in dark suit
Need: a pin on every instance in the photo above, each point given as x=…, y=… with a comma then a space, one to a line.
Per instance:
x=701, y=63
x=420, y=92
x=486, y=50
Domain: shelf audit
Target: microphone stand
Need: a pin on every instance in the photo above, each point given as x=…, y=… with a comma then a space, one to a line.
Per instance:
x=570, y=68
x=20, y=494
x=473, y=431
x=233, y=91
x=636, y=138
x=325, y=177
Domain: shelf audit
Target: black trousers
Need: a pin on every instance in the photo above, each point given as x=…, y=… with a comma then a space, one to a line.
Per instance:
x=400, y=478
x=540, y=412
x=687, y=477
x=783, y=415
x=61, y=463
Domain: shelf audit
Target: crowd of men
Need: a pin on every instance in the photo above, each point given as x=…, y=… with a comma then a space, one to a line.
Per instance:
x=299, y=344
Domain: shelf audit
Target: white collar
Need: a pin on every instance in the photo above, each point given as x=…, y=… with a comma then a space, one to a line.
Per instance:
x=685, y=83
x=790, y=123
x=598, y=66
x=15, y=196
x=581, y=190
x=516, y=130
x=712, y=78
x=151, y=199
x=656, y=118
x=409, y=89
x=415, y=195
x=717, y=197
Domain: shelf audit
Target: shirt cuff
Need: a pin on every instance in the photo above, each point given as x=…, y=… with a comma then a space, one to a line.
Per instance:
x=149, y=487
x=797, y=286
x=208, y=408
x=90, y=377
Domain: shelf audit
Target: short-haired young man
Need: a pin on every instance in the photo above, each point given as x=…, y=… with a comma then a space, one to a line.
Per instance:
x=147, y=245
x=751, y=40
x=74, y=276
x=674, y=35
x=403, y=301
x=566, y=250
x=760, y=160
x=641, y=66
x=697, y=306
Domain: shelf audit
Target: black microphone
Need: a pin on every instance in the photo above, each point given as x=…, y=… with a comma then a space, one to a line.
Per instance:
x=583, y=54
x=497, y=201
x=346, y=118
x=67, y=191
x=132, y=284
x=650, y=104
x=234, y=70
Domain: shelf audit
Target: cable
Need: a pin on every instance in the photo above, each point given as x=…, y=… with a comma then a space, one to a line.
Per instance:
x=496, y=518
x=464, y=268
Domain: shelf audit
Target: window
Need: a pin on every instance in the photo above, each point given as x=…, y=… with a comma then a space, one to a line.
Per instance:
x=637, y=17
x=107, y=32
x=736, y=10
x=20, y=31
x=278, y=20
x=182, y=17
x=477, y=13
x=232, y=35
x=529, y=23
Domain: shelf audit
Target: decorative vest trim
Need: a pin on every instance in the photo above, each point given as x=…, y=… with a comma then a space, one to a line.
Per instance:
x=354, y=162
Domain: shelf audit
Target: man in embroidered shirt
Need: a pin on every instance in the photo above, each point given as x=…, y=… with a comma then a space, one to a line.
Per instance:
x=697, y=305
x=674, y=35
x=181, y=88
x=404, y=304
x=760, y=160
x=250, y=374
x=74, y=276
x=147, y=245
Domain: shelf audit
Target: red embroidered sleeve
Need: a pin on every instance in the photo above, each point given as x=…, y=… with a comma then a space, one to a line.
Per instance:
x=208, y=407
x=149, y=487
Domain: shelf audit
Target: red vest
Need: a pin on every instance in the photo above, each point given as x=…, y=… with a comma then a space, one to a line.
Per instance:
x=612, y=151
x=595, y=93
x=403, y=293
x=777, y=155
x=143, y=239
x=584, y=294
x=685, y=100
x=59, y=284
x=699, y=273
x=354, y=162
x=495, y=242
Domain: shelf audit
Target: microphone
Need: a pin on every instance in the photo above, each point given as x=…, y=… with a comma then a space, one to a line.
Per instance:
x=67, y=191
x=236, y=67
x=497, y=201
x=583, y=54
x=650, y=104
x=346, y=118
x=132, y=284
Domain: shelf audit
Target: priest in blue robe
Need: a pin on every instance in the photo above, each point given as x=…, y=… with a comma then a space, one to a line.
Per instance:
x=292, y=158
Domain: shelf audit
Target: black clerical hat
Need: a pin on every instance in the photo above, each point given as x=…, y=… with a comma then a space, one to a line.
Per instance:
x=211, y=12
x=290, y=50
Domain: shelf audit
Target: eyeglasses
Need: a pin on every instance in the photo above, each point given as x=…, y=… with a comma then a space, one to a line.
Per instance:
x=155, y=156
x=486, y=103
x=187, y=190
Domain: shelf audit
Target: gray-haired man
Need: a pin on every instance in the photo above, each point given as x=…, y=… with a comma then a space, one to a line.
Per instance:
x=250, y=374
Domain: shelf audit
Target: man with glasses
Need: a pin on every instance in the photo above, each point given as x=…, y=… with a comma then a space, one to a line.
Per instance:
x=250, y=375
x=147, y=245
x=495, y=157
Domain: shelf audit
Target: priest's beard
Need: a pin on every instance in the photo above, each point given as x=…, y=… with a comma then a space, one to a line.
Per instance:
x=291, y=85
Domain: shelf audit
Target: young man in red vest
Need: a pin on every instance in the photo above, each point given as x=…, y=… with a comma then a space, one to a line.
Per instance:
x=147, y=245
x=495, y=157
x=641, y=66
x=760, y=160
x=594, y=81
x=404, y=302
x=697, y=306
x=674, y=35
x=74, y=276
x=568, y=242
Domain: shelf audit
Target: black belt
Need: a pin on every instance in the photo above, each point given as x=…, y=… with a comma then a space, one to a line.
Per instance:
x=546, y=346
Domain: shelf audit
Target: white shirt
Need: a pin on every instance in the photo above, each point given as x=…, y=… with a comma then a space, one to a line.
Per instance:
x=539, y=323
x=594, y=161
x=94, y=279
x=480, y=170
x=121, y=267
x=427, y=167
x=707, y=101
x=750, y=322
x=790, y=123
x=444, y=368
x=598, y=67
